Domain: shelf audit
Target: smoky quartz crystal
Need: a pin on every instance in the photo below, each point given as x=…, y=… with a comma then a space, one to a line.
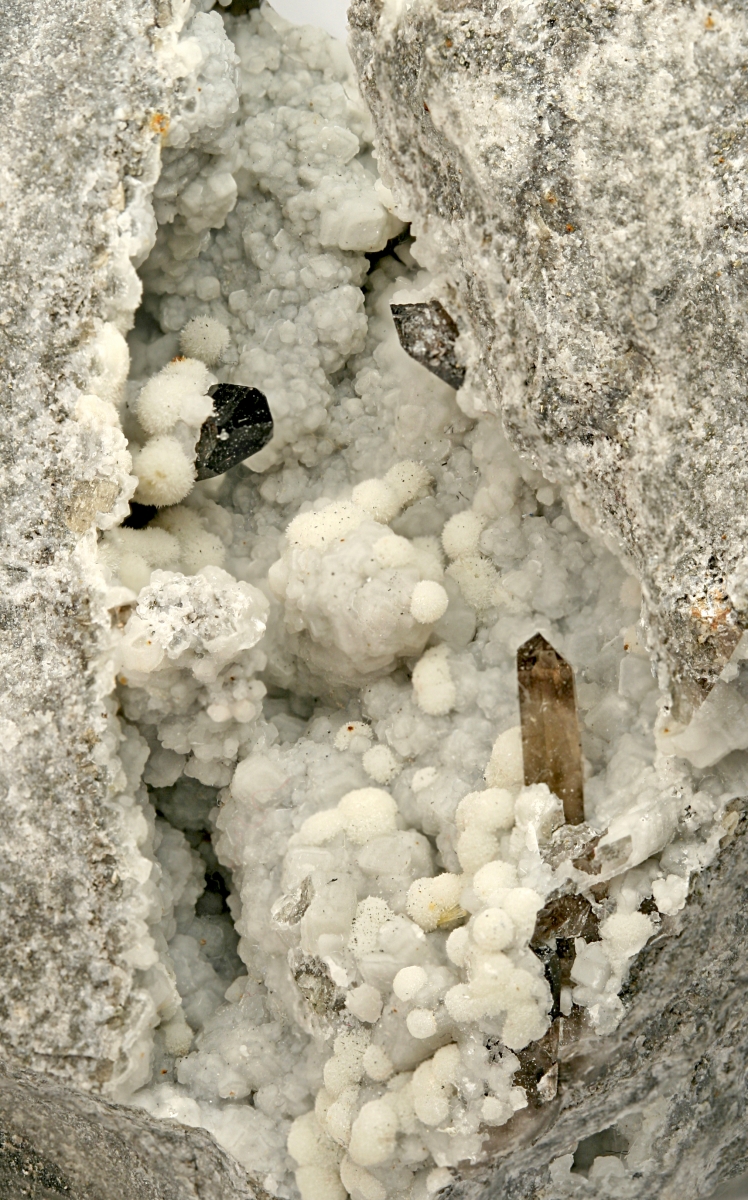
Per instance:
x=240, y=425
x=428, y=334
x=551, y=749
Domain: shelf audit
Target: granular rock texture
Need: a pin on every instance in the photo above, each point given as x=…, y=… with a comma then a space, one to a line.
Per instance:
x=57, y=1142
x=653, y=1108
x=578, y=174
x=79, y=85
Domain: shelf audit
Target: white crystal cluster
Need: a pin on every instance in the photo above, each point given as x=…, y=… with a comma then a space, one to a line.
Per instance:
x=318, y=683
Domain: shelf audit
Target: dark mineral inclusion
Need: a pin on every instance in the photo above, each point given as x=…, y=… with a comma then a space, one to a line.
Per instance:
x=240, y=425
x=428, y=334
x=551, y=749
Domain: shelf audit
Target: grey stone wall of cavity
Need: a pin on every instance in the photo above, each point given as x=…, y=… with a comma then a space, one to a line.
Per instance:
x=55, y=1142
x=581, y=171
x=678, y=1060
x=79, y=85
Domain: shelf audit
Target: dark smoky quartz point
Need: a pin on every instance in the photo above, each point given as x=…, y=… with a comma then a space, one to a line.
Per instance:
x=241, y=424
x=428, y=334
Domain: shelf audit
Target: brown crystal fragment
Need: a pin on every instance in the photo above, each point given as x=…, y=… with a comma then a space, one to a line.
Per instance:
x=552, y=972
x=537, y=1061
x=551, y=748
x=566, y=916
x=428, y=334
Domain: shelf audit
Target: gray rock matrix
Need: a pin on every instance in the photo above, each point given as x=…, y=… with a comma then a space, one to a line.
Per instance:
x=581, y=169
x=58, y=1143
x=78, y=82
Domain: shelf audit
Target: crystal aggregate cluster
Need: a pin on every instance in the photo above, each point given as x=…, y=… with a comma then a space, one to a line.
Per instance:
x=364, y=938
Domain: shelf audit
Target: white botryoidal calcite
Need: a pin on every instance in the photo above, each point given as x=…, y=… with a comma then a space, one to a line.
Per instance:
x=428, y=602
x=381, y=764
x=201, y=622
x=171, y=409
x=97, y=413
x=178, y=540
x=388, y=866
x=198, y=546
x=165, y=471
x=474, y=573
x=132, y=554
x=177, y=393
x=435, y=902
x=318, y=1159
x=505, y=768
x=193, y=638
x=361, y=815
x=353, y=591
x=433, y=685
x=285, y=169
x=205, y=339
x=480, y=818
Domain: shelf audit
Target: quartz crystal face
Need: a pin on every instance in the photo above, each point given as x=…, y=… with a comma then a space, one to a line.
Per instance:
x=428, y=334
x=240, y=425
x=551, y=748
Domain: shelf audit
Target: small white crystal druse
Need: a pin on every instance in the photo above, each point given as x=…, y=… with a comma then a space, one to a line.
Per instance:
x=338, y=872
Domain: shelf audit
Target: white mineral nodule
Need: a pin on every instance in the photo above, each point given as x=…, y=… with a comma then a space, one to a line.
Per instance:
x=283, y=879
x=206, y=339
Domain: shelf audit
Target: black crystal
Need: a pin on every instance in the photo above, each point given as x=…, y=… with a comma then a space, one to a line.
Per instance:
x=241, y=424
x=428, y=334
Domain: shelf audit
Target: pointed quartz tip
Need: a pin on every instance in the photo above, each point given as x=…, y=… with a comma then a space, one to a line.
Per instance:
x=551, y=746
x=534, y=649
x=428, y=334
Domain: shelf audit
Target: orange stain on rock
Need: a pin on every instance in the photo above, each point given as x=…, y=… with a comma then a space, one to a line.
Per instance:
x=160, y=123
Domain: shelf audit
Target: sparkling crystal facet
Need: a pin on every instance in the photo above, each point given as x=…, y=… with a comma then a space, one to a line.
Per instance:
x=428, y=334
x=551, y=748
x=240, y=425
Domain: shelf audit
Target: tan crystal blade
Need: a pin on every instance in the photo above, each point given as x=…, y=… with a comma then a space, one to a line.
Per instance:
x=551, y=747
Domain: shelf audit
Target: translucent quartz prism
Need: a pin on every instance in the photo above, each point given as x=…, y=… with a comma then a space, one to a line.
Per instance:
x=551, y=748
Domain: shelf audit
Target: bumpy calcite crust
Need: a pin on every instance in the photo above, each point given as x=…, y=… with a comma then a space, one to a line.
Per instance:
x=579, y=171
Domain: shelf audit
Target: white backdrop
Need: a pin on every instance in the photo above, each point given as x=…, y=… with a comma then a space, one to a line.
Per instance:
x=327, y=14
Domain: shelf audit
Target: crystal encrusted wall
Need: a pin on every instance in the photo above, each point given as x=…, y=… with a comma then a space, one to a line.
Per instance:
x=318, y=658
x=360, y=944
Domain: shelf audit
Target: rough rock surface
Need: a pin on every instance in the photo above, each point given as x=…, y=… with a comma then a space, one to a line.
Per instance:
x=57, y=1142
x=580, y=173
x=79, y=86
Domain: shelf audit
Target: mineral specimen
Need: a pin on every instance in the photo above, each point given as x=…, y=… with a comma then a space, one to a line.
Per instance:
x=551, y=750
x=240, y=425
x=428, y=333
x=294, y=891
